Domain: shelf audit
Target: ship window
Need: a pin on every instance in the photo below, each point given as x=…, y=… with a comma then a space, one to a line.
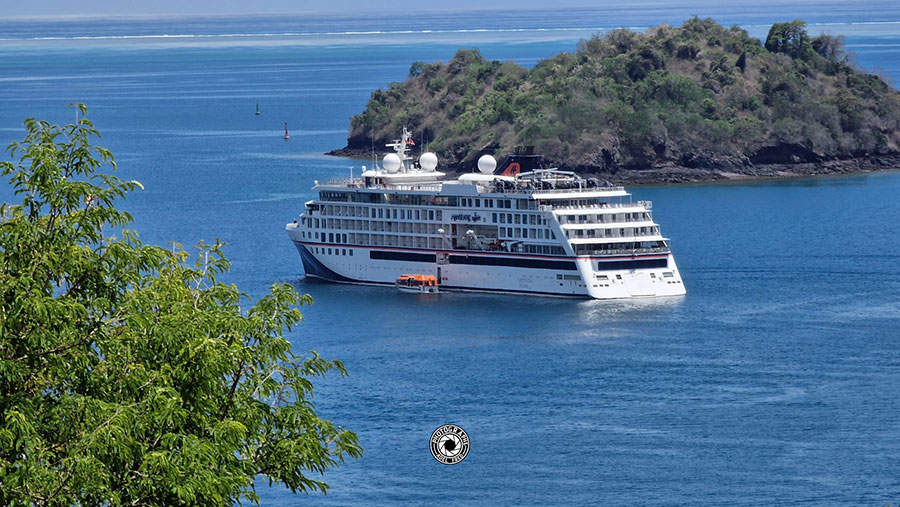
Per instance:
x=394, y=212
x=632, y=264
x=430, y=214
x=418, y=215
x=513, y=262
x=343, y=251
x=477, y=203
x=439, y=214
x=402, y=256
x=345, y=238
x=351, y=252
x=403, y=214
x=518, y=218
x=329, y=251
x=502, y=218
x=494, y=218
x=330, y=237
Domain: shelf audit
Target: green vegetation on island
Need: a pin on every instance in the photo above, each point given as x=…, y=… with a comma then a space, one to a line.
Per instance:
x=699, y=96
x=129, y=375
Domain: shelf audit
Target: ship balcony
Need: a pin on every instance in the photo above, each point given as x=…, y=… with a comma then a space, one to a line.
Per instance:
x=582, y=192
x=599, y=225
x=619, y=207
x=649, y=238
x=618, y=252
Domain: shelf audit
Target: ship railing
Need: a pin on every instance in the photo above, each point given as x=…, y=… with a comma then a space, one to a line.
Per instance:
x=624, y=251
x=519, y=190
x=647, y=205
x=359, y=183
x=344, y=182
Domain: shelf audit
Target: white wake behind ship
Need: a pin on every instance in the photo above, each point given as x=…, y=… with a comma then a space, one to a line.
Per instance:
x=517, y=228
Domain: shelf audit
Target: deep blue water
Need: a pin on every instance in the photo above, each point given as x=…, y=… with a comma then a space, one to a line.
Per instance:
x=774, y=381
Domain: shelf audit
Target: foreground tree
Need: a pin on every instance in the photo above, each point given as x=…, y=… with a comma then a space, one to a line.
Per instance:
x=129, y=376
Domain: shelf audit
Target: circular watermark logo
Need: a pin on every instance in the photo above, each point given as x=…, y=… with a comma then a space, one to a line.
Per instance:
x=449, y=444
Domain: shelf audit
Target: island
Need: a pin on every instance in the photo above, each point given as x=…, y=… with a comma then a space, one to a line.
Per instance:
x=697, y=102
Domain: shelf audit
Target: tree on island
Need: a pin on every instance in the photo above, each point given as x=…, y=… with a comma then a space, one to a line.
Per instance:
x=129, y=375
x=700, y=96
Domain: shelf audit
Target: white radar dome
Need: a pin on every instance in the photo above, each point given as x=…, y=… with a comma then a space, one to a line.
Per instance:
x=391, y=163
x=487, y=164
x=428, y=161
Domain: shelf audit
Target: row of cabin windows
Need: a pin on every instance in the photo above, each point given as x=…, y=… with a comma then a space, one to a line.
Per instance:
x=543, y=249
x=532, y=249
x=504, y=232
x=518, y=218
x=454, y=201
x=426, y=200
x=383, y=213
x=607, y=247
x=603, y=218
x=331, y=238
x=526, y=233
x=473, y=202
x=355, y=225
x=576, y=203
x=337, y=251
x=610, y=233
x=426, y=215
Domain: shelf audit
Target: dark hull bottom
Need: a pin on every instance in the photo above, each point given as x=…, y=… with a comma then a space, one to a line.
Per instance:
x=451, y=288
x=316, y=269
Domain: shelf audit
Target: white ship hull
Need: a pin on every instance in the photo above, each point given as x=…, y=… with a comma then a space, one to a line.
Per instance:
x=587, y=277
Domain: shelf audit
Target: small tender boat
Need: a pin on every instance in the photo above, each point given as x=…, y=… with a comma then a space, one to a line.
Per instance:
x=417, y=284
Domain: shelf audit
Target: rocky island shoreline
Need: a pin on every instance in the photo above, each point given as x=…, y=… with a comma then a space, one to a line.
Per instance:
x=694, y=103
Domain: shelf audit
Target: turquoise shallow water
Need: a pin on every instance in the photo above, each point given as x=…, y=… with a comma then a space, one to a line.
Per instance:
x=774, y=381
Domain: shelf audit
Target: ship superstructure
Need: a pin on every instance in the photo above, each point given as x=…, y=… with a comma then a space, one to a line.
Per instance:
x=517, y=228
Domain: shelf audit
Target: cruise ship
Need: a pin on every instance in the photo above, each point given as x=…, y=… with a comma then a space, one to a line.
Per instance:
x=516, y=227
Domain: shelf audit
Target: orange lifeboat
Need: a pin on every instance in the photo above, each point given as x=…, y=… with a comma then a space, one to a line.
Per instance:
x=417, y=283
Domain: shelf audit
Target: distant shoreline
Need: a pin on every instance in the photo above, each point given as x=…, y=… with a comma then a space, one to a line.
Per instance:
x=677, y=174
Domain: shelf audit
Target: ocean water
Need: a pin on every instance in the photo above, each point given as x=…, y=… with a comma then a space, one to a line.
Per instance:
x=773, y=381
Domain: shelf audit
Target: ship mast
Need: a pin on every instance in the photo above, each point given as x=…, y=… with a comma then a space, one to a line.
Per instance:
x=401, y=147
